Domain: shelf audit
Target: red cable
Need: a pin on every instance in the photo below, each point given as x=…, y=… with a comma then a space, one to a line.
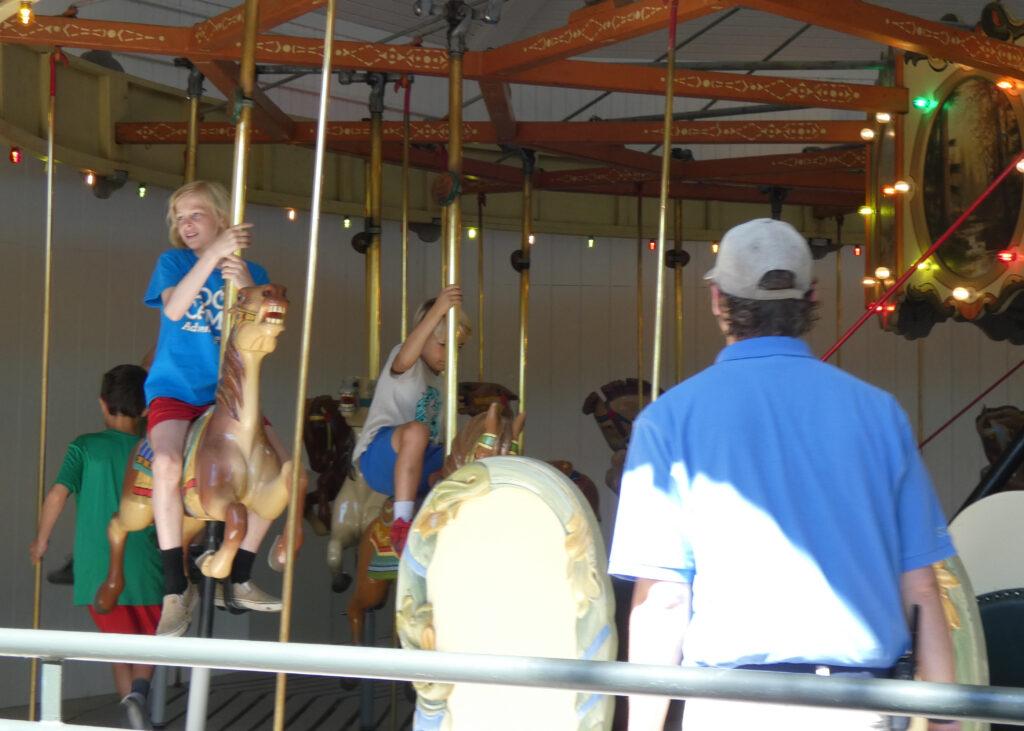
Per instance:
x=931, y=250
x=961, y=412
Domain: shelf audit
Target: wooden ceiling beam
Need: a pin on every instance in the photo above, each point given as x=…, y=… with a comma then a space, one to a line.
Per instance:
x=602, y=26
x=636, y=79
x=843, y=200
x=227, y=28
x=498, y=99
x=433, y=160
x=891, y=28
x=267, y=116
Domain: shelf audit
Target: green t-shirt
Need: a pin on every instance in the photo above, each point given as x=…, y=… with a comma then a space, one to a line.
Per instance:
x=93, y=470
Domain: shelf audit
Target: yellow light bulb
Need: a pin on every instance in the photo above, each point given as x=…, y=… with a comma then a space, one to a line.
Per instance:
x=714, y=247
x=290, y=212
x=531, y=239
x=883, y=117
x=962, y=294
x=901, y=186
x=865, y=210
x=472, y=232
x=25, y=14
x=882, y=272
x=868, y=281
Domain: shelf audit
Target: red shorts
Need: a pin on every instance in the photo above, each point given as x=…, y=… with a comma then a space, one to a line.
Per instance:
x=126, y=620
x=163, y=408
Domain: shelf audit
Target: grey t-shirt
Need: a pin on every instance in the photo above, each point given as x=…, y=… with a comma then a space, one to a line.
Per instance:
x=414, y=395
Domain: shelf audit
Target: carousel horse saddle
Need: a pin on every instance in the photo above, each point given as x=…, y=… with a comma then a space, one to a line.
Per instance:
x=143, y=464
x=383, y=560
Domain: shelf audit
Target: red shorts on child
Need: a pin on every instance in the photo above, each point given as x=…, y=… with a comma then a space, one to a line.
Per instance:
x=141, y=620
x=171, y=409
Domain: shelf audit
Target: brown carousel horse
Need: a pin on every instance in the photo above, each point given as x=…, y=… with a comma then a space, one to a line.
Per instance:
x=998, y=427
x=229, y=465
x=329, y=442
x=614, y=407
x=377, y=562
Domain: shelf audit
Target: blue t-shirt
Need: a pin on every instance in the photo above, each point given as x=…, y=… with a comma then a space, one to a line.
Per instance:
x=188, y=350
x=791, y=496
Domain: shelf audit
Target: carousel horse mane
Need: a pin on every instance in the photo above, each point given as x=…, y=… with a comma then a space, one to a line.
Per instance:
x=229, y=390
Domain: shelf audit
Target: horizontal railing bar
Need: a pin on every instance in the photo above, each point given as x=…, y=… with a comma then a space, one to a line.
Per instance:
x=897, y=697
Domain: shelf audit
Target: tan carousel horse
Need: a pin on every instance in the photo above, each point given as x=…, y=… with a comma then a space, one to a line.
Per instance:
x=229, y=466
x=506, y=557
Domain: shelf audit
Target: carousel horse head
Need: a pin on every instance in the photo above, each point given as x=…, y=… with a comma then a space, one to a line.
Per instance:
x=998, y=427
x=329, y=442
x=475, y=397
x=490, y=433
x=615, y=407
x=258, y=318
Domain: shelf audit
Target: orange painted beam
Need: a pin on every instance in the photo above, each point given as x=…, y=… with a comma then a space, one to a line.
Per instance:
x=266, y=115
x=434, y=160
x=877, y=23
x=847, y=201
x=106, y=35
x=635, y=79
x=498, y=98
x=552, y=135
x=226, y=29
x=605, y=25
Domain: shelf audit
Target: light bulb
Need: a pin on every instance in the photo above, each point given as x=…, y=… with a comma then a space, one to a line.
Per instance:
x=901, y=186
x=882, y=272
x=590, y=242
x=347, y=222
x=90, y=178
x=714, y=247
x=290, y=212
x=25, y=14
x=867, y=134
x=531, y=239
x=883, y=117
x=142, y=190
x=962, y=294
x=865, y=210
x=869, y=281
x=472, y=232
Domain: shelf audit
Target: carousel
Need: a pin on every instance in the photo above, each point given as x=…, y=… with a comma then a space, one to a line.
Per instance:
x=918, y=151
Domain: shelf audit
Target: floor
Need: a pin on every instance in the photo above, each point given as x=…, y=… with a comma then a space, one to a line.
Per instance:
x=245, y=702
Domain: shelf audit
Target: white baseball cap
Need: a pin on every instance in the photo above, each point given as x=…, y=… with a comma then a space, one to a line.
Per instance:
x=749, y=251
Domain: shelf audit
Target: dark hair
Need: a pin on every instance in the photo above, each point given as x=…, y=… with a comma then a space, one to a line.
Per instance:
x=122, y=390
x=749, y=318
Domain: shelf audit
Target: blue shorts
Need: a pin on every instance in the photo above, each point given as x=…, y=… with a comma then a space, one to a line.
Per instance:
x=377, y=463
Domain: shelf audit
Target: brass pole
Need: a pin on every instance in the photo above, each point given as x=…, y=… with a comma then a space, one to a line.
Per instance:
x=44, y=379
x=666, y=159
x=374, y=194
x=406, y=114
x=243, y=131
x=526, y=246
x=481, y=201
x=640, y=293
x=839, y=302
x=678, y=275
x=453, y=221
x=195, y=93
x=307, y=328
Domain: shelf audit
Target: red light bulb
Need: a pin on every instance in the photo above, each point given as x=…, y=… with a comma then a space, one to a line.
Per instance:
x=652, y=245
x=15, y=155
x=857, y=251
x=1007, y=256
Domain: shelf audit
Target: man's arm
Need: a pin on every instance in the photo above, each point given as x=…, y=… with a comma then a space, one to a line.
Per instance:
x=657, y=623
x=935, y=658
x=53, y=506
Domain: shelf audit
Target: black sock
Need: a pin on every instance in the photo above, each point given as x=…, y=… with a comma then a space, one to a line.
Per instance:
x=174, y=571
x=241, y=569
x=141, y=686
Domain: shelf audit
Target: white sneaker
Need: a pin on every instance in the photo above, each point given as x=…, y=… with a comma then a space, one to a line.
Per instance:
x=248, y=596
x=177, y=613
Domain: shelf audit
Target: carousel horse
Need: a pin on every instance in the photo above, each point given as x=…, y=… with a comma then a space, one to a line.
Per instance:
x=614, y=409
x=491, y=433
x=229, y=466
x=506, y=557
x=998, y=427
x=329, y=442
x=357, y=505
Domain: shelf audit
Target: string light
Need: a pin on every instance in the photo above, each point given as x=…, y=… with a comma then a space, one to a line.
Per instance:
x=714, y=247
x=901, y=186
x=1004, y=84
x=590, y=242
x=924, y=104
x=1020, y=165
x=25, y=14
x=924, y=266
x=652, y=245
x=857, y=250
x=347, y=222
x=962, y=294
x=883, y=272
x=889, y=190
x=867, y=134
x=869, y=281
x=90, y=178
x=15, y=155
x=290, y=212
x=865, y=210
x=142, y=190
x=883, y=117
x=1007, y=256
x=472, y=232
x=531, y=239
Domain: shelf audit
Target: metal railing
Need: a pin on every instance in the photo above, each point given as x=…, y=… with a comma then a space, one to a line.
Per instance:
x=894, y=697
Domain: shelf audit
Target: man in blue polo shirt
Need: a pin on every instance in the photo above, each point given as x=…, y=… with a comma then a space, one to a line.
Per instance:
x=774, y=511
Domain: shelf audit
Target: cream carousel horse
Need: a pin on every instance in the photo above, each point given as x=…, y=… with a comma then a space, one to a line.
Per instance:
x=506, y=557
x=229, y=466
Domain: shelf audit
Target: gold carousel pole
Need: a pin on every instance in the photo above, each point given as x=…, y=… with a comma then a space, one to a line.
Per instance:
x=677, y=272
x=44, y=381
x=526, y=246
x=374, y=195
x=406, y=115
x=243, y=131
x=640, y=292
x=666, y=159
x=481, y=201
x=195, y=93
x=307, y=328
x=453, y=212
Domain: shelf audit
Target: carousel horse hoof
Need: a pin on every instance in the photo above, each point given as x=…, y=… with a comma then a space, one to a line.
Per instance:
x=209, y=564
x=340, y=582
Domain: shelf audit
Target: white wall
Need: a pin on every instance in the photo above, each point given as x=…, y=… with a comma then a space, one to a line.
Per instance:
x=582, y=335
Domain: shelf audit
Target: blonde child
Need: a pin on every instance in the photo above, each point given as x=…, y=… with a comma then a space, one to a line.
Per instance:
x=187, y=286
x=398, y=449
